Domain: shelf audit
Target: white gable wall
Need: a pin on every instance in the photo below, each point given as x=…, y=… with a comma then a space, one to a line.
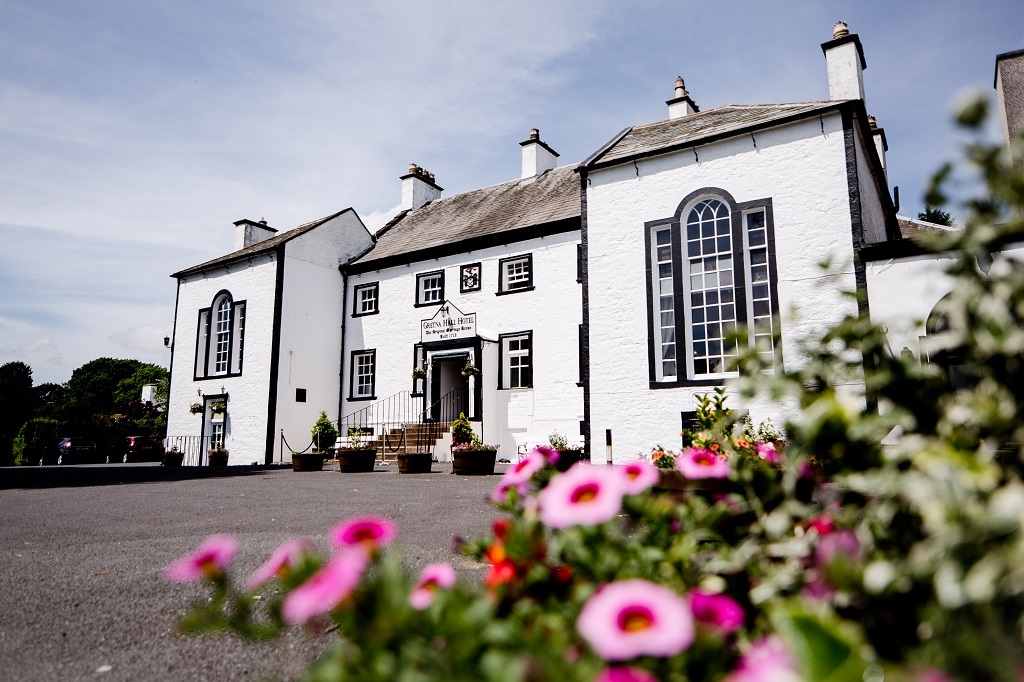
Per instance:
x=246, y=421
x=872, y=213
x=553, y=311
x=803, y=172
x=311, y=319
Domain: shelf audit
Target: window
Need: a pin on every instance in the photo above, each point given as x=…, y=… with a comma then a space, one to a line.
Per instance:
x=363, y=376
x=712, y=271
x=469, y=278
x=419, y=370
x=217, y=434
x=515, y=274
x=365, y=302
x=219, y=338
x=430, y=288
x=300, y=395
x=516, y=367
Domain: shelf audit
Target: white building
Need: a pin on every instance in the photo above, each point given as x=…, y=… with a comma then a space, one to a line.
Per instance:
x=592, y=300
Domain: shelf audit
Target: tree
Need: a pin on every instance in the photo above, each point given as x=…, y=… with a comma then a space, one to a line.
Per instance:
x=934, y=214
x=16, y=403
x=33, y=439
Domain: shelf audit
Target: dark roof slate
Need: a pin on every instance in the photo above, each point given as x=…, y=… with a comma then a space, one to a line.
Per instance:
x=258, y=247
x=910, y=227
x=552, y=197
x=687, y=130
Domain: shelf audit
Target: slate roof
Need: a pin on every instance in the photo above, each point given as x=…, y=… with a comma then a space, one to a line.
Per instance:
x=259, y=247
x=481, y=213
x=689, y=130
x=909, y=227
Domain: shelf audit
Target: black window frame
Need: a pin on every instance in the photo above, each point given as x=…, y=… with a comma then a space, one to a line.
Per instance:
x=502, y=262
x=375, y=286
x=676, y=223
x=205, y=328
x=479, y=278
x=502, y=342
x=352, y=397
x=419, y=278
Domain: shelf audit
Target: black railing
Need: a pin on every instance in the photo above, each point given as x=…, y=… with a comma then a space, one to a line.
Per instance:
x=192, y=448
x=402, y=423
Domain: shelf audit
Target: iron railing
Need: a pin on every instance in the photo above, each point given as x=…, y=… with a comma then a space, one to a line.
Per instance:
x=402, y=423
x=193, y=448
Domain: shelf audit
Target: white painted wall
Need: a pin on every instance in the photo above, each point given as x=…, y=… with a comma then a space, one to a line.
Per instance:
x=803, y=171
x=872, y=213
x=553, y=311
x=246, y=423
x=311, y=319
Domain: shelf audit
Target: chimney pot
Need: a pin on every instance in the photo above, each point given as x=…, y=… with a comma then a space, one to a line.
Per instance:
x=681, y=87
x=844, y=58
x=840, y=29
x=872, y=122
x=538, y=158
x=535, y=134
x=681, y=104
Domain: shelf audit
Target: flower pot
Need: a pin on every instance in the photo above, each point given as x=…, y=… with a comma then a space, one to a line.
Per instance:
x=356, y=461
x=566, y=458
x=414, y=462
x=217, y=458
x=172, y=459
x=473, y=462
x=307, y=461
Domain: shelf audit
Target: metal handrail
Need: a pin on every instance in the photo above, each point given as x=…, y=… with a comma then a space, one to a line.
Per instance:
x=393, y=416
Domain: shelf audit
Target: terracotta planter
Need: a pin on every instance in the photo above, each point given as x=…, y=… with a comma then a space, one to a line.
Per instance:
x=217, y=458
x=172, y=459
x=474, y=462
x=307, y=461
x=356, y=461
x=414, y=462
x=566, y=458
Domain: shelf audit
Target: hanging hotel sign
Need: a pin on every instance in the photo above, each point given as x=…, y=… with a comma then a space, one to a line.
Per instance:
x=448, y=323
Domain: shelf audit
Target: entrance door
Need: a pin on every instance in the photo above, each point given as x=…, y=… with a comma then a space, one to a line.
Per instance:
x=449, y=389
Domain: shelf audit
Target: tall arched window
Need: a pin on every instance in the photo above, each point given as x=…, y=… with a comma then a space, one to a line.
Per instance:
x=712, y=269
x=219, y=338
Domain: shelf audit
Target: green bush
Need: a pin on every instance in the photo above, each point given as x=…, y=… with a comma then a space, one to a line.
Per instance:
x=324, y=434
x=34, y=437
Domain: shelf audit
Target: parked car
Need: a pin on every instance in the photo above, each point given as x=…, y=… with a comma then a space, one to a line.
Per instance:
x=70, y=451
x=141, y=449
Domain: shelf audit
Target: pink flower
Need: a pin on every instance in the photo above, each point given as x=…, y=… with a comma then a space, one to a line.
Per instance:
x=767, y=661
x=206, y=561
x=631, y=618
x=698, y=462
x=638, y=476
x=931, y=675
x=433, y=577
x=373, y=532
x=327, y=588
x=519, y=474
x=717, y=611
x=625, y=675
x=823, y=524
x=550, y=454
x=842, y=542
x=585, y=495
x=280, y=562
x=767, y=452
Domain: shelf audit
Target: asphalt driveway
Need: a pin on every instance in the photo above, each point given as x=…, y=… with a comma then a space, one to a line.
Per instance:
x=82, y=548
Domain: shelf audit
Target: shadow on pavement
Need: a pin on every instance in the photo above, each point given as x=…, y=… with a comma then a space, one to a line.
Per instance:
x=77, y=476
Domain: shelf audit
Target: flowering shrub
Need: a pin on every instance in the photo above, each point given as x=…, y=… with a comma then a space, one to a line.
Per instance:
x=196, y=408
x=839, y=559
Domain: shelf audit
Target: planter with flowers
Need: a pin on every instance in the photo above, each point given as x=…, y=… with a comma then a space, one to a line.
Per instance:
x=323, y=434
x=415, y=462
x=172, y=457
x=567, y=454
x=470, y=457
x=217, y=456
x=196, y=408
x=470, y=370
x=355, y=457
x=419, y=373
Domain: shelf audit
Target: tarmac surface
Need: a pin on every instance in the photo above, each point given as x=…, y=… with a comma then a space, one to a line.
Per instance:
x=82, y=549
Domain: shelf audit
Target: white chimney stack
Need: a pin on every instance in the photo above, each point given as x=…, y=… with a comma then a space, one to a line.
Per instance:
x=1009, y=85
x=845, y=58
x=881, y=146
x=418, y=188
x=538, y=158
x=681, y=104
x=248, y=233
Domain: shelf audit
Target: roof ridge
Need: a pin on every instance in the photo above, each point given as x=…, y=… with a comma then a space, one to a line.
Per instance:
x=690, y=117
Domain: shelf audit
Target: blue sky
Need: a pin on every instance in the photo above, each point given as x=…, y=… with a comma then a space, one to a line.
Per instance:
x=133, y=133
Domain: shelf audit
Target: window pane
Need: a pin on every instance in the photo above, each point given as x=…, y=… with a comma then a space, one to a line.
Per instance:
x=757, y=238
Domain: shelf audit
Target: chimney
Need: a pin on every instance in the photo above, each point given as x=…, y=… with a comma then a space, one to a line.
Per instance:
x=418, y=188
x=248, y=233
x=1009, y=85
x=681, y=104
x=538, y=158
x=845, y=58
x=881, y=146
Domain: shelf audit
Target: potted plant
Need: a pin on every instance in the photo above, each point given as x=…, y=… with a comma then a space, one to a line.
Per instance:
x=419, y=373
x=172, y=457
x=567, y=454
x=415, y=462
x=219, y=407
x=218, y=456
x=355, y=456
x=196, y=408
x=470, y=370
x=323, y=434
x=470, y=457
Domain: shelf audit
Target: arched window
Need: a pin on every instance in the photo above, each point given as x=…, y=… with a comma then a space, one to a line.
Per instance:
x=712, y=269
x=220, y=334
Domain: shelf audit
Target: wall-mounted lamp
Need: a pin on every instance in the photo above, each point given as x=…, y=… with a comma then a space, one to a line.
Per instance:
x=199, y=392
x=167, y=342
